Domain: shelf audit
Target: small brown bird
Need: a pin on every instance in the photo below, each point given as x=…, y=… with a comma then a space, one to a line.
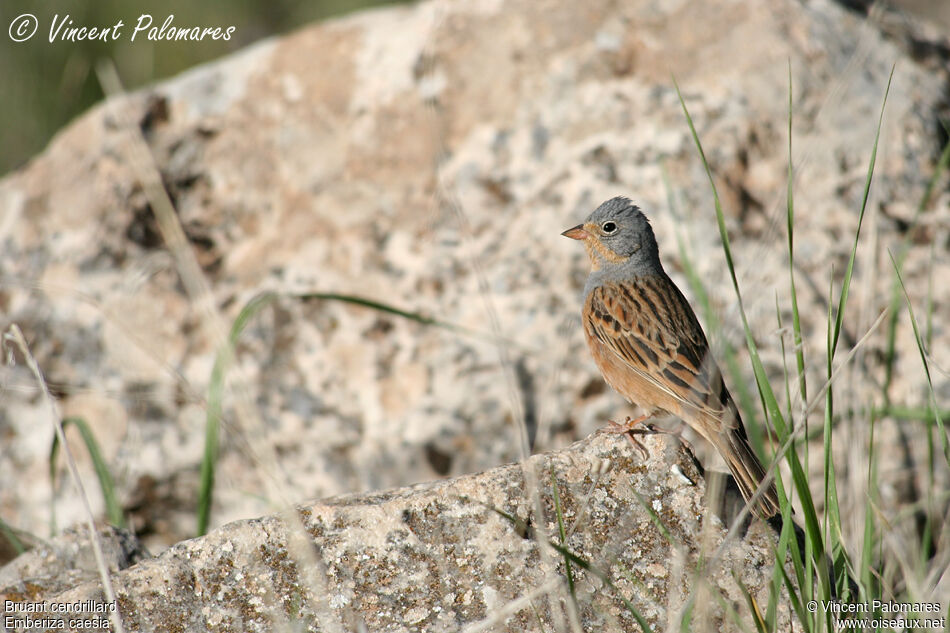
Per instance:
x=650, y=347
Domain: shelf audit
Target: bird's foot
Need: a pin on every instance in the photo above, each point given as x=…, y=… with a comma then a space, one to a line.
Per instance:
x=628, y=428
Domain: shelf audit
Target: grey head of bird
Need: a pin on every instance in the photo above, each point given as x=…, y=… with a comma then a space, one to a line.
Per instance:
x=619, y=240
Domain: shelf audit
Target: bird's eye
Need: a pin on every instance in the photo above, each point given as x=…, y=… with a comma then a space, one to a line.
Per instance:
x=608, y=227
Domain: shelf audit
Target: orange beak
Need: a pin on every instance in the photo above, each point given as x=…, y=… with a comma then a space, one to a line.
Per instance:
x=576, y=233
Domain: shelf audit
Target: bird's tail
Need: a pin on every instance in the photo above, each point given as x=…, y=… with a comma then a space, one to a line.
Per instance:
x=748, y=472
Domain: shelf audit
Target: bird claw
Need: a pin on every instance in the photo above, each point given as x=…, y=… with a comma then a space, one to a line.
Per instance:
x=627, y=427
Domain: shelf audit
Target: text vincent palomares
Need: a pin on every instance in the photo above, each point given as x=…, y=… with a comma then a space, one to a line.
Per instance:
x=63, y=29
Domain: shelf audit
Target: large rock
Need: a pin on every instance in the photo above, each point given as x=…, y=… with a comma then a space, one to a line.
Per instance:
x=51, y=567
x=442, y=557
x=428, y=157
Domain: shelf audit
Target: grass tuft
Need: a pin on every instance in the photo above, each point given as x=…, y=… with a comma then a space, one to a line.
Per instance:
x=769, y=402
x=818, y=557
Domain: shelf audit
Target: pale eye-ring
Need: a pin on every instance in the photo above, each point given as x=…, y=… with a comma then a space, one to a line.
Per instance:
x=608, y=227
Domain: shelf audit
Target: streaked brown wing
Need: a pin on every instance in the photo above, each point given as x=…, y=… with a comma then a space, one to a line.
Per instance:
x=651, y=328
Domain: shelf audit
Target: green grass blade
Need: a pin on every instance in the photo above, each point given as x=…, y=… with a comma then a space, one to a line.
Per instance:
x=810, y=515
x=923, y=358
x=757, y=618
x=562, y=534
x=210, y=457
x=113, y=508
x=890, y=350
x=383, y=307
x=832, y=513
x=784, y=355
x=790, y=223
x=778, y=572
x=846, y=284
x=10, y=535
x=868, y=587
x=687, y=617
x=929, y=329
x=869, y=538
x=828, y=469
x=215, y=407
x=794, y=598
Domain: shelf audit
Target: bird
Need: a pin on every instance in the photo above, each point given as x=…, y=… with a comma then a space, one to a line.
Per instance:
x=648, y=344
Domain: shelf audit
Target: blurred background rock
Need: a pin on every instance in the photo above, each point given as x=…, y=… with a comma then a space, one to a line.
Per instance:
x=46, y=85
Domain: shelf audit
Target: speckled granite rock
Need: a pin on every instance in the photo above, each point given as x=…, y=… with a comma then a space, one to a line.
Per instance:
x=428, y=157
x=67, y=560
x=440, y=557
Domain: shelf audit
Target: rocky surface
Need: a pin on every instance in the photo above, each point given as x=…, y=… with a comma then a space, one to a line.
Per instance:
x=428, y=157
x=53, y=566
x=442, y=557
